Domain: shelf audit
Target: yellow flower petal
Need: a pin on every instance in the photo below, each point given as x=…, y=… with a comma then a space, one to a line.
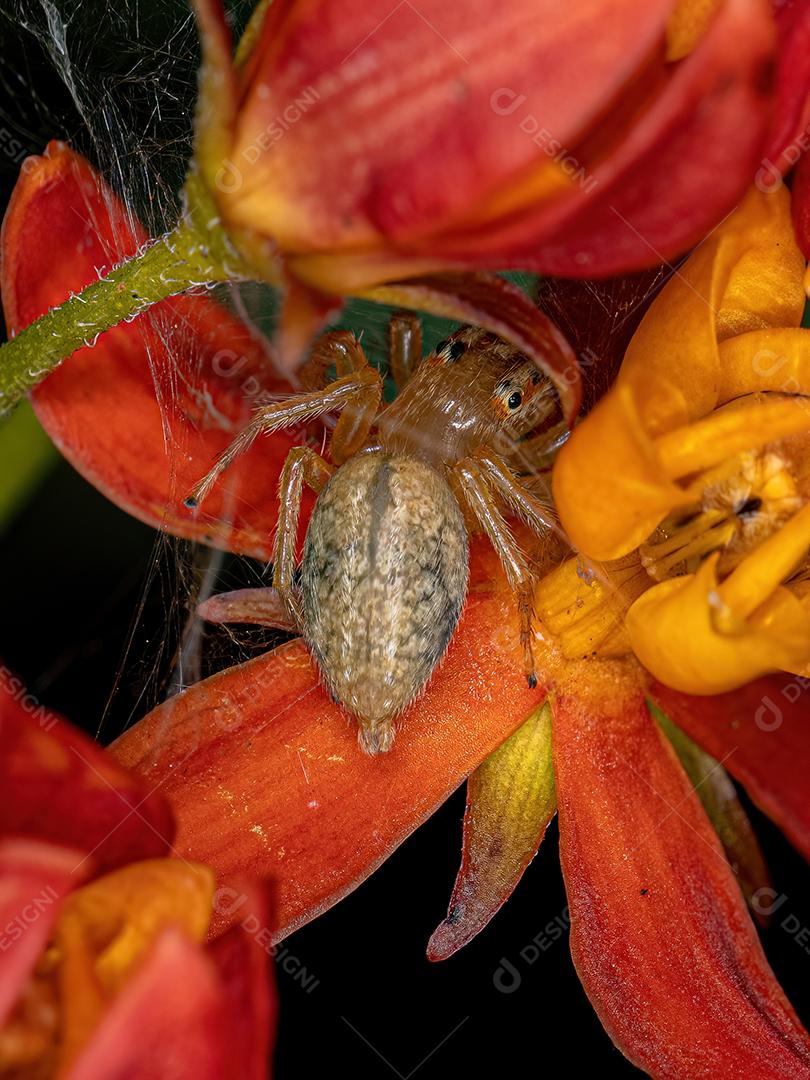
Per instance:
x=105, y=928
x=122, y=912
x=730, y=431
x=777, y=359
x=688, y=639
x=676, y=342
x=770, y=563
x=764, y=286
x=746, y=276
x=609, y=485
x=583, y=605
x=613, y=482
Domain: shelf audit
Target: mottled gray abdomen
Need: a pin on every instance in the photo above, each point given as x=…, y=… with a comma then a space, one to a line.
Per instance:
x=384, y=578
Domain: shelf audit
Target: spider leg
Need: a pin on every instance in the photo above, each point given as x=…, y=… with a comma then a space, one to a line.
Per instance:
x=404, y=345
x=351, y=430
x=339, y=349
x=474, y=485
x=342, y=350
x=537, y=451
x=261, y=607
x=355, y=389
x=303, y=466
x=516, y=494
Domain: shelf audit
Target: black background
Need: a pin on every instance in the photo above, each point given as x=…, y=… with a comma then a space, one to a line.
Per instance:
x=93, y=604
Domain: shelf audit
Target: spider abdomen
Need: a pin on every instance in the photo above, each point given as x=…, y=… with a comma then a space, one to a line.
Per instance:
x=383, y=582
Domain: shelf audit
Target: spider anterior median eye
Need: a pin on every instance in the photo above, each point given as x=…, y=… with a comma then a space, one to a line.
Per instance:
x=442, y=345
x=457, y=349
x=515, y=399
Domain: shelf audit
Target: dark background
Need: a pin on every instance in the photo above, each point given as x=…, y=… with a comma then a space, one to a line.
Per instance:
x=94, y=604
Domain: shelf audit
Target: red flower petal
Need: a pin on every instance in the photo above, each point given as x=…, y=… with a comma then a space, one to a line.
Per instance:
x=800, y=204
x=789, y=135
x=34, y=878
x=719, y=799
x=761, y=733
x=680, y=166
x=242, y=957
x=510, y=802
x=659, y=931
x=59, y=786
x=168, y=1021
x=380, y=86
x=145, y=412
x=265, y=775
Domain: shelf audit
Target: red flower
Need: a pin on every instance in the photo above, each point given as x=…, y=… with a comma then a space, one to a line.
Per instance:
x=660, y=934
x=104, y=968
x=366, y=144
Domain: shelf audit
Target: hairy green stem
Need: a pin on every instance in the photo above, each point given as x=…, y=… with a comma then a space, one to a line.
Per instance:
x=196, y=252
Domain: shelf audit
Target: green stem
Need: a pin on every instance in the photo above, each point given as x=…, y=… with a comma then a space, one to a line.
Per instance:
x=195, y=252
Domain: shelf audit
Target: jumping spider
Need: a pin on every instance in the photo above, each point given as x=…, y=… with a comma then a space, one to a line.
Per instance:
x=385, y=564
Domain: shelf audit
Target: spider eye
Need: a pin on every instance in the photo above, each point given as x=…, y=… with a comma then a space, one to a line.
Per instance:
x=457, y=349
x=441, y=346
x=515, y=400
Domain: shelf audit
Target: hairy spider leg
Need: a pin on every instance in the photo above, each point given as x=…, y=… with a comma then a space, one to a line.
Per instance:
x=476, y=487
x=404, y=346
x=536, y=452
x=539, y=516
x=363, y=386
x=260, y=606
x=303, y=466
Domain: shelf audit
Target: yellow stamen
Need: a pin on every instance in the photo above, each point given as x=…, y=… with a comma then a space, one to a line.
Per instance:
x=659, y=564
x=774, y=560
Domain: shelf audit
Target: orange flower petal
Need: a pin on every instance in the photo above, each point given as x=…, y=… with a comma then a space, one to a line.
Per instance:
x=761, y=734
x=659, y=932
x=510, y=802
x=266, y=777
x=687, y=25
x=59, y=786
x=144, y=413
x=719, y=799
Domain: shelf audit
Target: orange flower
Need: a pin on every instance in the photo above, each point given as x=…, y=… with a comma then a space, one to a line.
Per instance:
x=693, y=472
x=661, y=938
x=104, y=970
x=659, y=932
